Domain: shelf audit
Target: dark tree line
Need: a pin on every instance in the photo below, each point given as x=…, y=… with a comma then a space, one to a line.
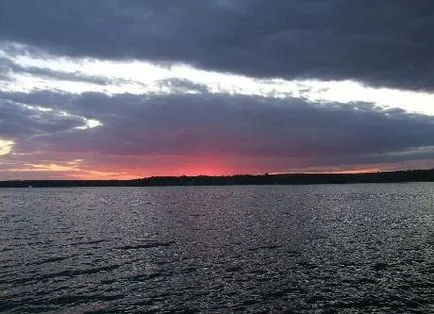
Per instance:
x=379, y=177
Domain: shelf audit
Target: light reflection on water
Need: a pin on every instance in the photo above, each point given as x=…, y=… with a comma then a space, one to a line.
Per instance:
x=336, y=248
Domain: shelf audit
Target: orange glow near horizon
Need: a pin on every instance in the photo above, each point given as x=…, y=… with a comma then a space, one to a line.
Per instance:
x=211, y=168
x=78, y=169
x=134, y=167
x=74, y=170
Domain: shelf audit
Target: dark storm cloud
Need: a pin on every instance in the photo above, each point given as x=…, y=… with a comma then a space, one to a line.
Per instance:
x=256, y=127
x=224, y=125
x=387, y=42
x=19, y=122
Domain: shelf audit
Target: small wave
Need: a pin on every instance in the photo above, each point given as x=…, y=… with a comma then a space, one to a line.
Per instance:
x=95, y=270
x=189, y=270
x=53, y=259
x=146, y=277
x=145, y=246
x=278, y=294
x=265, y=247
x=307, y=265
x=233, y=269
x=258, y=271
x=88, y=242
x=7, y=306
x=65, y=273
x=380, y=266
x=251, y=302
x=79, y=299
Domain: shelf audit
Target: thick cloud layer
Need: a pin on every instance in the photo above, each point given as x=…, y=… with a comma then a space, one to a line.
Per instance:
x=279, y=134
x=384, y=43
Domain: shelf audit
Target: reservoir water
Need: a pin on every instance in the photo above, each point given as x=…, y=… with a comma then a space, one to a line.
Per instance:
x=302, y=249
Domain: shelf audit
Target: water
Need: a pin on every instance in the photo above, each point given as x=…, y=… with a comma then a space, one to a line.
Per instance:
x=331, y=248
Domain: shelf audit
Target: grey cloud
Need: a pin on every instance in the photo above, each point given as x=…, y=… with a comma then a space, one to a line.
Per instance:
x=21, y=123
x=387, y=43
x=223, y=125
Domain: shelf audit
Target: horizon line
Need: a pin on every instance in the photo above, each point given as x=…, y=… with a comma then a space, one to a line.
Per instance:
x=317, y=173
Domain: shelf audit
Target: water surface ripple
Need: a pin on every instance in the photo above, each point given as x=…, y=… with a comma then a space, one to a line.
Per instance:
x=329, y=248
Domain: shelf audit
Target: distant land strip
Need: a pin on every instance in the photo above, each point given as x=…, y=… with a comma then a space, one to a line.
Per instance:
x=265, y=179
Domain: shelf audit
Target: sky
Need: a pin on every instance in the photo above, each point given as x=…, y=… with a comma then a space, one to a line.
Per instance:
x=119, y=89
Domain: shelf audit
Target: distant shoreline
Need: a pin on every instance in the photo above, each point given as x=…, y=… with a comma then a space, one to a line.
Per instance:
x=265, y=179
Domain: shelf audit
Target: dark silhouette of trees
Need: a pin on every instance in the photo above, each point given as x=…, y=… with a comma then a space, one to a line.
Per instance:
x=266, y=179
